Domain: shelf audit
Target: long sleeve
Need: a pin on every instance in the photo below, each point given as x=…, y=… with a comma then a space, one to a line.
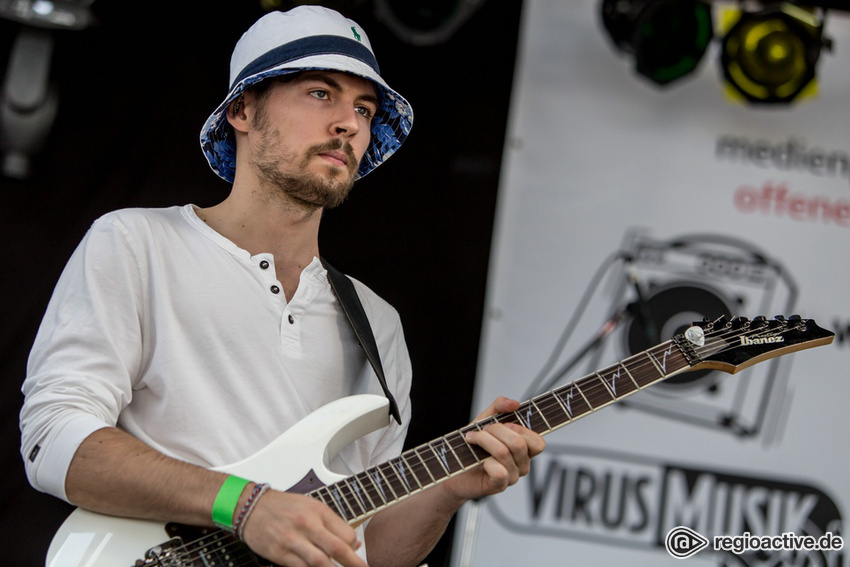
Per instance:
x=85, y=353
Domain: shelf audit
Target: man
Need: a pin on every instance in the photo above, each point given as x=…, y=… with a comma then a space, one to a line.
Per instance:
x=188, y=338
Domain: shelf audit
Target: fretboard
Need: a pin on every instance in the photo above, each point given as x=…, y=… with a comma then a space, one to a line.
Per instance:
x=361, y=495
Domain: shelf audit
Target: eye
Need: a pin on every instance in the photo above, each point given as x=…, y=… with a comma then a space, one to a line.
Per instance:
x=320, y=94
x=366, y=111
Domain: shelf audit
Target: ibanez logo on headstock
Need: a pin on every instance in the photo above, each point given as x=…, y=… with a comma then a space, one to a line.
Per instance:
x=761, y=340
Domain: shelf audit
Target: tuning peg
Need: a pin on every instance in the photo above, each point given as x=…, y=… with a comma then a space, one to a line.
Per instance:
x=795, y=318
x=780, y=318
x=739, y=322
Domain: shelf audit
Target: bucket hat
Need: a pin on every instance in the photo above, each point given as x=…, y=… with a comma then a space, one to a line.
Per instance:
x=306, y=38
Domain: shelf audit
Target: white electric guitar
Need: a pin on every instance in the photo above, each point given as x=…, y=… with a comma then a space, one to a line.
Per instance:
x=297, y=460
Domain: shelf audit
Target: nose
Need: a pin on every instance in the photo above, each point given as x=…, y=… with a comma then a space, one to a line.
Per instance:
x=346, y=121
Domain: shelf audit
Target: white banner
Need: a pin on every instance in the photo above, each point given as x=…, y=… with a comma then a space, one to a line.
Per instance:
x=714, y=207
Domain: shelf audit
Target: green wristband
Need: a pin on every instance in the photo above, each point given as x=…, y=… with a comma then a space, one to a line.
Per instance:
x=227, y=500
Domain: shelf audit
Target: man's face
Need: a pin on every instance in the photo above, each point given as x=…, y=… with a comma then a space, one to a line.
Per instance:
x=309, y=133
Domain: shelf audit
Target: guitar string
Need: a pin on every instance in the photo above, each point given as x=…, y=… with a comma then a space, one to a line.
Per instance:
x=725, y=338
x=422, y=460
x=199, y=548
x=592, y=385
x=594, y=390
x=425, y=460
x=543, y=403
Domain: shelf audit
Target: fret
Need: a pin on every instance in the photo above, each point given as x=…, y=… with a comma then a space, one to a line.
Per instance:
x=402, y=468
x=394, y=481
x=529, y=415
x=446, y=455
x=574, y=401
x=326, y=495
x=447, y=441
x=645, y=374
x=372, y=491
x=620, y=384
x=425, y=466
x=626, y=368
x=352, y=498
x=664, y=360
x=363, y=494
x=415, y=467
x=554, y=395
x=551, y=410
x=467, y=454
x=383, y=480
x=341, y=501
x=655, y=363
x=396, y=472
x=542, y=415
x=511, y=417
x=606, y=385
x=594, y=390
x=476, y=453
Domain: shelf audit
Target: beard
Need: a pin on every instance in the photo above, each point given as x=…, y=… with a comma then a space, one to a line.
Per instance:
x=310, y=189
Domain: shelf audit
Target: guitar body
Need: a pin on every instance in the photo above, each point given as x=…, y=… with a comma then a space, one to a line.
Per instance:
x=297, y=460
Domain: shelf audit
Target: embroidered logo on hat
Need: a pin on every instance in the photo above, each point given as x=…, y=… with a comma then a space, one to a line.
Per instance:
x=356, y=35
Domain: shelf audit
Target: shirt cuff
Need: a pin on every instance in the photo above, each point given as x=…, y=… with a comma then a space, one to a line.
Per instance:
x=47, y=466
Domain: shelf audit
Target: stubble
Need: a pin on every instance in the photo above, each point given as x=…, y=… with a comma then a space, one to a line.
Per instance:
x=286, y=174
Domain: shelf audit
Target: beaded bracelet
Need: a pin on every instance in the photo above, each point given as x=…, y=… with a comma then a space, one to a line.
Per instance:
x=239, y=524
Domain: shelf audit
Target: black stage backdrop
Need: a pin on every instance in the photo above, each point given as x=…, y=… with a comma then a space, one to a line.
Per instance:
x=134, y=92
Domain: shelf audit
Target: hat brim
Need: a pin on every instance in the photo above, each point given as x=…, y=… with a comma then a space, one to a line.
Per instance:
x=390, y=125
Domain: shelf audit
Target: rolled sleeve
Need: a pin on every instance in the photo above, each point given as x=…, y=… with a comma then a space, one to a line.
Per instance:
x=47, y=469
x=86, y=353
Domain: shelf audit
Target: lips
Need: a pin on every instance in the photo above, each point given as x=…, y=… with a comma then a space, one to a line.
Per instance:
x=337, y=156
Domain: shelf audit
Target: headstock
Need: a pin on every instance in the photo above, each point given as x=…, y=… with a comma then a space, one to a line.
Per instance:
x=736, y=344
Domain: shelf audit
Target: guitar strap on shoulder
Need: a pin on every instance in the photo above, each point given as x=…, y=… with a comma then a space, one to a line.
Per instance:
x=345, y=293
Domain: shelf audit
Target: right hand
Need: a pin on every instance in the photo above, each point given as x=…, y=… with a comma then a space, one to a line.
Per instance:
x=293, y=530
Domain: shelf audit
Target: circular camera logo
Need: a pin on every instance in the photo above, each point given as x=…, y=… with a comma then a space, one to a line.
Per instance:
x=683, y=542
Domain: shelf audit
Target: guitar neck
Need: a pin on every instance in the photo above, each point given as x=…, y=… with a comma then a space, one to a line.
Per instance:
x=361, y=495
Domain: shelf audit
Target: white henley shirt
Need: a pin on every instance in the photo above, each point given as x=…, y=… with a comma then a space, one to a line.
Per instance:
x=165, y=328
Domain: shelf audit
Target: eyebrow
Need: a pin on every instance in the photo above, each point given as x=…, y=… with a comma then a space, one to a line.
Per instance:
x=334, y=84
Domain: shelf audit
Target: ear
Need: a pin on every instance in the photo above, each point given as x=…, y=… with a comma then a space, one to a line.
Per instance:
x=237, y=115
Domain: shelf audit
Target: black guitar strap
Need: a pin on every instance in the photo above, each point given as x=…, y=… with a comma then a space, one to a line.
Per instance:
x=344, y=290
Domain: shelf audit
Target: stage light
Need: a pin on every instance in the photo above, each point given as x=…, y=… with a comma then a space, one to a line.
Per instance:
x=770, y=56
x=667, y=38
x=28, y=100
x=56, y=14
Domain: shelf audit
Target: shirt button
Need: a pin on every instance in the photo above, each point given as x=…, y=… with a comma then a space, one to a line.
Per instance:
x=275, y=289
x=264, y=264
x=291, y=320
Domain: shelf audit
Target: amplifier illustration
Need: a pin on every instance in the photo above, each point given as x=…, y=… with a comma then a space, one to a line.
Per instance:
x=661, y=287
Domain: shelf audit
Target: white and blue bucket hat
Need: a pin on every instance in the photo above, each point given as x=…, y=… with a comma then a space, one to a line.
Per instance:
x=304, y=38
